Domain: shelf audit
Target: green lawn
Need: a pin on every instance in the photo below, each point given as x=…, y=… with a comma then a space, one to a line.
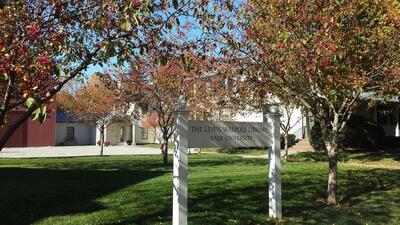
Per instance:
x=157, y=145
x=222, y=190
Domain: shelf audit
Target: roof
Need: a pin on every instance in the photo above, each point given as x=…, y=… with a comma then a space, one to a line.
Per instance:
x=371, y=96
x=67, y=118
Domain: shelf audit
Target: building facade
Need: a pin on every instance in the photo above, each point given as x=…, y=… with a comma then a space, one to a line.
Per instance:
x=31, y=133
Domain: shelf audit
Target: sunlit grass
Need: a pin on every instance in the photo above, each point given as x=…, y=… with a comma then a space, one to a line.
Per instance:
x=222, y=190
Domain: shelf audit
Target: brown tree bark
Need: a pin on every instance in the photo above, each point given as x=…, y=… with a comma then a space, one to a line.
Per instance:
x=164, y=148
x=101, y=128
x=6, y=98
x=332, y=177
x=286, y=137
x=332, y=146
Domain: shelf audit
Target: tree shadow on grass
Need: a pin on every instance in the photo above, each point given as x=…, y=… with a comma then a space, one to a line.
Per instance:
x=378, y=156
x=367, y=196
x=364, y=199
x=28, y=195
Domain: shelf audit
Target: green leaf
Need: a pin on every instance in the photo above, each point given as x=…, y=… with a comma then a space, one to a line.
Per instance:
x=169, y=26
x=126, y=26
x=110, y=51
x=229, y=5
x=42, y=114
x=127, y=6
x=58, y=71
x=42, y=117
x=29, y=102
x=39, y=114
x=175, y=3
x=36, y=114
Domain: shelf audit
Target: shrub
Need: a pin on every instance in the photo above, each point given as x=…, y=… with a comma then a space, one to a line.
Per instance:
x=359, y=132
x=316, y=140
x=291, y=140
x=362, y=132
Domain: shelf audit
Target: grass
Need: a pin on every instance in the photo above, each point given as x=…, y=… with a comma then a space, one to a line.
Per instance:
x=222, y=190
x=157, y=145
x=231, y=151
x=365, y=159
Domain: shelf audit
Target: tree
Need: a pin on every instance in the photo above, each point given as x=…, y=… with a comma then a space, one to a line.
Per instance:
x=65, y=101
x=323, y=54
x=150, y=120
x=94, y=104
x=46, y=43
x=156, y=86
x=287, y=122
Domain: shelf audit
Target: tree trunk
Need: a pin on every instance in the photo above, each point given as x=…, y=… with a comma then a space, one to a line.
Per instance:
x=332, y=177
x=101, y=140
x=286, y=137
x=331, y=143
x=6, y=99
x=308, y=125
x=164, y=148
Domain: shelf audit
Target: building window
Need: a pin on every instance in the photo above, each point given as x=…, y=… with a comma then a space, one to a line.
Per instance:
x=121, y=133
x=70, y=133
x=145, y=133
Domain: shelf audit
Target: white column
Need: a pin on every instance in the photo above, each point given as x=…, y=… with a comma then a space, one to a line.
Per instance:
x=135, y=127
x=397, y=132
x=274, y=158
x=180, y=177
x=105, y=133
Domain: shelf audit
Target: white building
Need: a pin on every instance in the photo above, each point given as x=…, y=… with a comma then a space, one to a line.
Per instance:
x=125, y=132
x=297, y=121
x=72, y=131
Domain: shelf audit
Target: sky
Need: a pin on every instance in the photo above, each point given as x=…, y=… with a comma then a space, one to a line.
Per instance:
x=93, y=69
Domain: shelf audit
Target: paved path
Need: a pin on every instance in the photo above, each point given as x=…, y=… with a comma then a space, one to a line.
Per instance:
x=68, y=151
x=90, y=150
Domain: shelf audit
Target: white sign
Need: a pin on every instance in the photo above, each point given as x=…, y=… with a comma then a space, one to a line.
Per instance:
x=228, y=134
x=198, y=134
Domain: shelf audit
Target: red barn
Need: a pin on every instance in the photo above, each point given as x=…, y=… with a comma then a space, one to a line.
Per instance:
x=32, y=133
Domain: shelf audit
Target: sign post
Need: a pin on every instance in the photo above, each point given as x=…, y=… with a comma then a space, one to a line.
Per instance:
x=274, y=158
x=198, y=134
x=180, y=174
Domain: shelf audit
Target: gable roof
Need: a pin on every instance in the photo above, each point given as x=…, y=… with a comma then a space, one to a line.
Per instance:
x=67, y=118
